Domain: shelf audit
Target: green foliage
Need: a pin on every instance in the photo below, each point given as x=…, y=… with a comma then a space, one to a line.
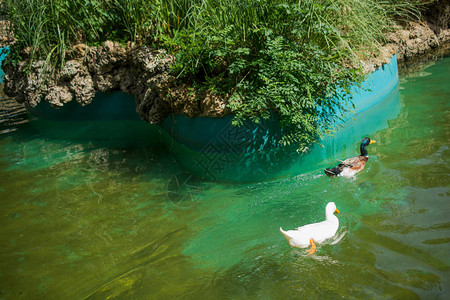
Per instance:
x=133, y=19
x=284, y=56
x=293, y=83
x=281, y=58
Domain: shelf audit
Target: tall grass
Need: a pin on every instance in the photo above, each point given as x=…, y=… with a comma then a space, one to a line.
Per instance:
x=287, y=56
x=362, y=24
x=48, y=27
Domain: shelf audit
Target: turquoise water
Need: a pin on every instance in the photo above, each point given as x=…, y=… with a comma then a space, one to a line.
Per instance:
x=114, y=216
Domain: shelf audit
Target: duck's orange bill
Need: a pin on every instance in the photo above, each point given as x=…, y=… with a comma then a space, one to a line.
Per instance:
x=372, y=141
x=337, y=211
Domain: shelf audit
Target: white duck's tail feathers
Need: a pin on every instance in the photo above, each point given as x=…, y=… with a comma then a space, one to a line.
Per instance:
x=285, y=234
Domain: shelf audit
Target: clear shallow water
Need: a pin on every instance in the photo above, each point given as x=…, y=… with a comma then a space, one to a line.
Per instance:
x=118, y=218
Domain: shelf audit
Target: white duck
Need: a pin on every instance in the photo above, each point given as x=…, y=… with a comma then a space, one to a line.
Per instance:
x=310, y=234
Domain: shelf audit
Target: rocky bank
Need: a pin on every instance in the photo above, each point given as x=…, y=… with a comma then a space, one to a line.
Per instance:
x=145, y=73
x=137, y=70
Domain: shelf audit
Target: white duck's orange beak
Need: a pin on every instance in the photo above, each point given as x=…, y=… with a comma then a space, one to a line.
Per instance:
x=373, y=141
x=337, y=211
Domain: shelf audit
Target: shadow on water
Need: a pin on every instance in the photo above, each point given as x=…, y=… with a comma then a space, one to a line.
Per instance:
x=49, y=136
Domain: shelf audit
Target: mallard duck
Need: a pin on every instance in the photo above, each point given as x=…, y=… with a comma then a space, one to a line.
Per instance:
x=310, y=234
x=351, y=166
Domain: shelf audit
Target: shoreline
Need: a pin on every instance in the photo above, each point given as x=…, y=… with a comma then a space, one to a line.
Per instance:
x=144, y=73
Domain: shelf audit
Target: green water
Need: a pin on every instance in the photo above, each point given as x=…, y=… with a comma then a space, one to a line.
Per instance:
x=112, y=219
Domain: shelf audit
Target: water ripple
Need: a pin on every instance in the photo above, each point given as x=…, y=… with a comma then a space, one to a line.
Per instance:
x=12, y=114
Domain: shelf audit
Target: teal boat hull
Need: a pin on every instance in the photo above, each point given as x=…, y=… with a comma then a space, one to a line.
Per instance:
x=215, y=150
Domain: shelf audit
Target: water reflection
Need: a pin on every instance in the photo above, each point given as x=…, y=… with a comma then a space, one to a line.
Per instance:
x=12, y=114
x=93, y=218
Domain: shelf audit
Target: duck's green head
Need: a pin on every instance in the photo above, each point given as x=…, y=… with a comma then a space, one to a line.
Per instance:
x=365, y=142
